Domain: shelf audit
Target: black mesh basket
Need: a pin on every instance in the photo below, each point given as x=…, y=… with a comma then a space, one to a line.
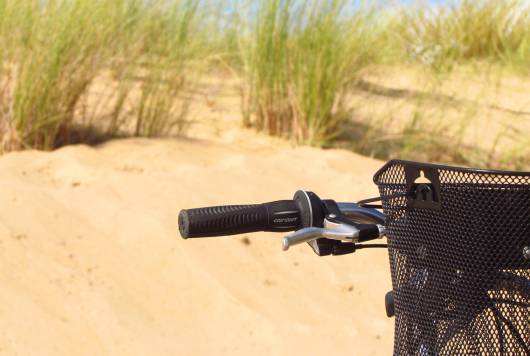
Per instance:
x=459, y=245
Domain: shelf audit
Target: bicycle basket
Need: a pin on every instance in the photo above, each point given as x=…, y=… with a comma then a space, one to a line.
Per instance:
x=459, y=247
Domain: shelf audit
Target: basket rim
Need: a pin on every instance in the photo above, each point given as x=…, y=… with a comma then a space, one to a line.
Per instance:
x=392, y=162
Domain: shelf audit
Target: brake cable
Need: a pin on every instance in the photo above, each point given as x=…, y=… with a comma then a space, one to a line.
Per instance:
x=365, y=203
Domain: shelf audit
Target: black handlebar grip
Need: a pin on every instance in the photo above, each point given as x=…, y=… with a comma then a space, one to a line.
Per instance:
x=278, y=216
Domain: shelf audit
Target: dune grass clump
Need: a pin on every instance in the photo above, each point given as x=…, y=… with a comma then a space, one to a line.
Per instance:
x=299, y=59
x=170, y=42
x=486, y=38
x=58, y=50
x=468, y=30
x=56, y=56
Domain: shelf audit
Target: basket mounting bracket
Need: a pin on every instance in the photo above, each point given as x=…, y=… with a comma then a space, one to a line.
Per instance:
x=423, y=186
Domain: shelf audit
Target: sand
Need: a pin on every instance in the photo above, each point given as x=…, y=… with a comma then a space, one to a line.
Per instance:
x=92, y=262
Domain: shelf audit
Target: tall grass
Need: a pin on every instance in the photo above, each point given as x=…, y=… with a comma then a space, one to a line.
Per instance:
x=491, y=30
x=62, y=48
x=489, y=36
x=301, y=57
x=59, y=57
x=169, y=44
x=299, y=60
x=72, y=70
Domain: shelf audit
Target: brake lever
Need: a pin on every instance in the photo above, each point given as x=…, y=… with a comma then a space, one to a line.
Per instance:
x=335, y=228
x=306, y=234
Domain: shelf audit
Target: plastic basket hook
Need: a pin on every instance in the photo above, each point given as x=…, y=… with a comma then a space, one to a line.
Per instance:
x=423, y=186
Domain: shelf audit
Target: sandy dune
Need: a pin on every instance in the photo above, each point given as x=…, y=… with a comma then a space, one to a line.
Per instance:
x=92, y=262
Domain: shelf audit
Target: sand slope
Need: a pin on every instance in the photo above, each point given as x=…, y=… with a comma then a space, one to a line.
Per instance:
x=92, y=262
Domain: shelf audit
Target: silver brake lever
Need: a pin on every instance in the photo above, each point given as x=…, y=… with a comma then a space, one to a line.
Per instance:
x=331, y=230
x=306, y=234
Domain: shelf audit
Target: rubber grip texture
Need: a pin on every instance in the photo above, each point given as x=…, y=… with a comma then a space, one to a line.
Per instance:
x=225, y=220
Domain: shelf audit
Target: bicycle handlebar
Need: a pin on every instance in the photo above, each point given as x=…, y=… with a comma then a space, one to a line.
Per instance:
x=277, y=216
x=305, y=210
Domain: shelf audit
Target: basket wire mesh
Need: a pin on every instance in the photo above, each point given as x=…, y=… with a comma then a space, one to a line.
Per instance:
x=457, y=245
